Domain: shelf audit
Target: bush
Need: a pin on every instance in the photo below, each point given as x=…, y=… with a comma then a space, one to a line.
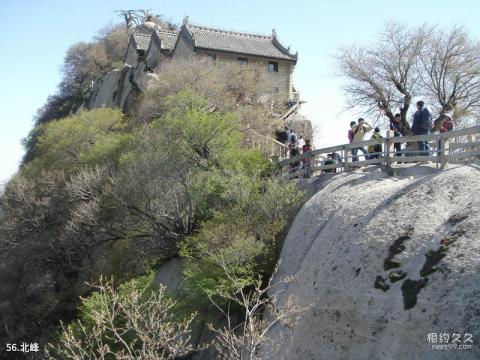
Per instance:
x=241, y=236
x=134, y=320
x=96, y=137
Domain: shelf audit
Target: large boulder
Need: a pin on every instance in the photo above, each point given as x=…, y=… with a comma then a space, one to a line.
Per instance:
x=301, y=125
x=385, y=266
x=120, y=88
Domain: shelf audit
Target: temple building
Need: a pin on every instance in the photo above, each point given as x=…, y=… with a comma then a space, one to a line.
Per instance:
x=150, y=45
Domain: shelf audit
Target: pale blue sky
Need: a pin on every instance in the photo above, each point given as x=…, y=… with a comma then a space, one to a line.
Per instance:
x=36, y=34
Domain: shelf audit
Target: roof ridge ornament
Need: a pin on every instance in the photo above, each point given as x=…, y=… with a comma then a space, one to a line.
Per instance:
x=186, y=20
x=274, y=33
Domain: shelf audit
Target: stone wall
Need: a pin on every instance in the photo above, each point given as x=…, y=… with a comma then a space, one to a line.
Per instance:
x=153, y=54
x=183, y=49
x=276, y=84
x=131, y=57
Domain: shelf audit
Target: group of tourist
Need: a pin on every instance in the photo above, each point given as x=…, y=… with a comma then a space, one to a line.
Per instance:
x=296, y=144
x=421, y=125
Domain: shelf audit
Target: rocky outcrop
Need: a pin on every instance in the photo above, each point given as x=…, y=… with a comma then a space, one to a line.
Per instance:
x=170, y=274
x=301, y=125
x=120, y=88
x=380, y=262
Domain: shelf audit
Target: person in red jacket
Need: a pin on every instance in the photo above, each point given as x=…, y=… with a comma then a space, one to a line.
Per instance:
x=447, y=124
x=305, y=149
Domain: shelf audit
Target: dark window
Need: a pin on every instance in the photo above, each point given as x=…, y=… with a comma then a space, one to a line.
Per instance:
x=273, y=66
x=276, y=90
x=212, y=57
x=242, y=60
x=141, y=55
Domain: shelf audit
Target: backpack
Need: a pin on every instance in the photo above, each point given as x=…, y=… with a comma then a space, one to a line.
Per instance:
x=426, y=124
x=429, y=120
x=293, y=138
x=377, y=148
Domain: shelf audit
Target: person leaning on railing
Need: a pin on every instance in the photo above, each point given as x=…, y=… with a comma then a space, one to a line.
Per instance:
x=446, y=126
x=421, y=126
x=331, y=159
x=307, y=147
x=350, y=137
x=375, y=151
x=399, y=129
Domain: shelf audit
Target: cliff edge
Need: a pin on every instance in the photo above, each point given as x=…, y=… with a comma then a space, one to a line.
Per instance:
x=385, y=265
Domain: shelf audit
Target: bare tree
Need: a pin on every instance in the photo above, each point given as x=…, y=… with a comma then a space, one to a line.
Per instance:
x=251, y=337
x=135, y=18
x=441, y=66
x=450, y=73
x=127, y=325
x=383, y=78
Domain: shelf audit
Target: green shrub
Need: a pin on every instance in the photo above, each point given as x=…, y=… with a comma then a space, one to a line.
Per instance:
x=96, y=137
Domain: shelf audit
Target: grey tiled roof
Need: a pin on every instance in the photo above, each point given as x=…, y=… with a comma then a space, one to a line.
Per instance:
x=142, y=40
x=238, y=42
x=167, y=39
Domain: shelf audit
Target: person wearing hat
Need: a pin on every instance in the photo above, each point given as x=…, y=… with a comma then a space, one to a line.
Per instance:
x=447, y=124
x=375, y=151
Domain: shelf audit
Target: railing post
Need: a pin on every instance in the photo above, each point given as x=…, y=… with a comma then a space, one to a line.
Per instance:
x=345, y=159
x=444, y=146
x=307, y=160
x=388, y=151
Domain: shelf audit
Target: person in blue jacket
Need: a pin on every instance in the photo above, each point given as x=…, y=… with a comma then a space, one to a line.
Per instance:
x=421, y=126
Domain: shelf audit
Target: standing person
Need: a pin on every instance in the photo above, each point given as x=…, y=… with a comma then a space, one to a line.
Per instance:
x=294, y=139
x=447, y=126
x=398, y=130
x=301, y=143
x=350, y=139
x=421, y=126
x=350, y=132
x=307, y=147
x=293, y=146
x=375, y=150
x=359, y=132
x=288, y=135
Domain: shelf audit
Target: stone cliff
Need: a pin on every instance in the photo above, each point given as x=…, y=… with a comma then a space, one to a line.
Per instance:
x=381, y=262
x=119, y=88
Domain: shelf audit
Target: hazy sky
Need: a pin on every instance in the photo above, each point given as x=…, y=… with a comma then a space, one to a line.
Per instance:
x=36, y=34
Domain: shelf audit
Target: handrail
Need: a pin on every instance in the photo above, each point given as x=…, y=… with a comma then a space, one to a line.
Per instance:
x=290, y=111
x=276, y=142
x=278, y=150
x=440, y=144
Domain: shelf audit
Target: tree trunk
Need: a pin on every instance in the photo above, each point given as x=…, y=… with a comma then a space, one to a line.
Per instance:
x=403, y=112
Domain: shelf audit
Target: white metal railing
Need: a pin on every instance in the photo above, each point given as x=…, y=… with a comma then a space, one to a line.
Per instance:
x=457, y=146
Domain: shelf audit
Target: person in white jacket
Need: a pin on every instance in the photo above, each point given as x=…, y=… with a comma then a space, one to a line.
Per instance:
x=359, y=132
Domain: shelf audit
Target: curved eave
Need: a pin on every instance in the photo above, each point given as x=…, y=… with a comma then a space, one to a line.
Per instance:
x=292, y=58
